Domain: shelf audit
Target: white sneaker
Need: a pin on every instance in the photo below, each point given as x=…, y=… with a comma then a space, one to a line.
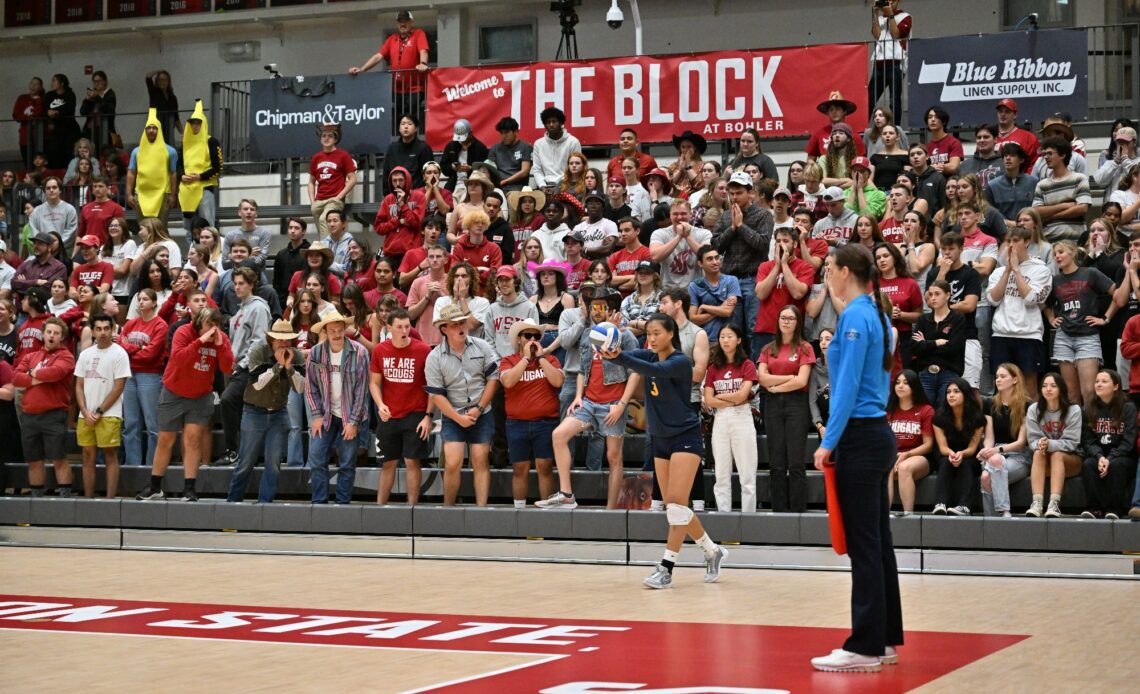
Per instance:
x=656, y=505
x=1034, y=509
x=890, y=656
x=845, y=661
x=712, y=564
x=959, y=511
x=939, y=509
x=1054, y=510
x=660, y=578
x=558, y=500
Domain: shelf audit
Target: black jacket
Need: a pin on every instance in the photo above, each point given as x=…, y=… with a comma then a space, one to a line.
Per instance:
x=410, y=156
x=476, y=153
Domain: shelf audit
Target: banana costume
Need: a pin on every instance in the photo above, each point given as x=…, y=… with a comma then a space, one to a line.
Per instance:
x=195, y=159
x=152, y=182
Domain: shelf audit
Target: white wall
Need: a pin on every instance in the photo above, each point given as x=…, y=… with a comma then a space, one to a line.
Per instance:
x=332, y=45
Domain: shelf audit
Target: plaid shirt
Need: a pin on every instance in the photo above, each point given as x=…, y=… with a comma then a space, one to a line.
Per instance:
x=354, y=376
x=744, y=248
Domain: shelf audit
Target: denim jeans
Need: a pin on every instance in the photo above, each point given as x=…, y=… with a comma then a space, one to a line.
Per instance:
x=262, y=431
x=751, y=303
x=1014, y=469
x=934, y=385
x=319, y=449
x=296, y=447
x=596, y=446
x=140, y=414
x=983, y=319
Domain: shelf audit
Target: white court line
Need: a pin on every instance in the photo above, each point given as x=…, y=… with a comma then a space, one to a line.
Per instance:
x=543, y=658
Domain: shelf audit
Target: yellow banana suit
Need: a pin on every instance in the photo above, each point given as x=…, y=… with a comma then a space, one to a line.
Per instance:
x=152, y=182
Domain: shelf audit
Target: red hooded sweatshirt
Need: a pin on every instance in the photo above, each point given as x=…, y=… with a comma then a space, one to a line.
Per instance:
x=486, y=255
x=55, y=370
x=190, y=371
x=398, y=219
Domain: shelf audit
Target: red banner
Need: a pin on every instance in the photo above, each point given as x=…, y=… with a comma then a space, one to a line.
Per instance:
x=715, y=94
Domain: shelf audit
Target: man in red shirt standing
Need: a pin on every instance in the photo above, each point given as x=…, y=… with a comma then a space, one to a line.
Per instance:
x=397, y=381
x=332, y=176
x=1009, y=132
x=93, y=270
x=836, y=108
x=531, y=381
x=46, y=374
x=407, y=54
x=97, y=214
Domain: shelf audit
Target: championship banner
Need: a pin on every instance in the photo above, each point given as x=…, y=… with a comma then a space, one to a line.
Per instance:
x=1044, y=71
x=715, y=94
x=284, y=113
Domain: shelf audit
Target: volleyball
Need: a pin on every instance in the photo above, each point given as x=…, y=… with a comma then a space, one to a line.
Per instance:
x=604, y=336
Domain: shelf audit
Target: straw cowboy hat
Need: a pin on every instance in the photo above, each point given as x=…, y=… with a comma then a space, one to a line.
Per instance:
x=450, y=314
x=281, y=330
x=539, y=197
x=519, y=326
x=318, y=247
x=333, y=317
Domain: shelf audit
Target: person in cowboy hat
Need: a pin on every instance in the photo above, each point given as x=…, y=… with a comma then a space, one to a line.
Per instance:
x=603, y=393
x=531, y=382
x=685, y=172
x=276, y=368
x=462, y=374
x=836, y=108
x=318, y=260
x=524, y=222
x=336, y=392
x=1056, y=126
x=473, y=197
x=332, y=176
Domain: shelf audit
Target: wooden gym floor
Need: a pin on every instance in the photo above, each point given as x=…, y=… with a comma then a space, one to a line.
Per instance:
x=1069, y=635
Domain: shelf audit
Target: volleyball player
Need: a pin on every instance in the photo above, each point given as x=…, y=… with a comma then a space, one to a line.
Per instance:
x=675, y=429
x=860, y=361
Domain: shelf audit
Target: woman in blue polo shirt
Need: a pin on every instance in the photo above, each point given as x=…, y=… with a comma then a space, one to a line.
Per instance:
x=675, y=430
x=860, y=361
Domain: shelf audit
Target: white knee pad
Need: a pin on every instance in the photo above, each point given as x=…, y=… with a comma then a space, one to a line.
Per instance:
x=677, y=514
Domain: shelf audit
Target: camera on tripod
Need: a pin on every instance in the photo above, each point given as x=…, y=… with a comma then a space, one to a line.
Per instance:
x=567, y=16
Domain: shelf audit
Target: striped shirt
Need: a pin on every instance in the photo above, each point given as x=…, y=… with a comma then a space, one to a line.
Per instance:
x=1074, y=189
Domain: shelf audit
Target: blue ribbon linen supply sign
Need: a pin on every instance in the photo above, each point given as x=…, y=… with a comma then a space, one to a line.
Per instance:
x=1044, y=71
x=285, y=112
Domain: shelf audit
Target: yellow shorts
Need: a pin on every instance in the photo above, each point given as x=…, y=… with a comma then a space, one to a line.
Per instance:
x=106, y=433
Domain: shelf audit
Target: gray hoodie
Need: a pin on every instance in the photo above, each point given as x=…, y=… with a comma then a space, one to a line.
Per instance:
x=247, y=325
x=501, y=316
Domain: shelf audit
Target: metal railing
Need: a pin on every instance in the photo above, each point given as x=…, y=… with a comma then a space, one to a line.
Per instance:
x=1114, y=72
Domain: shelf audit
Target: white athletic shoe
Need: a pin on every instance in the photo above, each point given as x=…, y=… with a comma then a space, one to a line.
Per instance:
x=660, y=578
x=713, y=562
x=890, y=656
x=845, y=661
x=558, y=500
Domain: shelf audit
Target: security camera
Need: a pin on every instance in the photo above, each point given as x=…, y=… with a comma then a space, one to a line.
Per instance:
x=615, y=17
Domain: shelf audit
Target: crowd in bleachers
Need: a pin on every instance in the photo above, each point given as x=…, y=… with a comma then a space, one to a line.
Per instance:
x=461, y=326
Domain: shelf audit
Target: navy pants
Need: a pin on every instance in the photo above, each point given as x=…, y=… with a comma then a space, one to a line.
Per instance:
x=864, y=457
